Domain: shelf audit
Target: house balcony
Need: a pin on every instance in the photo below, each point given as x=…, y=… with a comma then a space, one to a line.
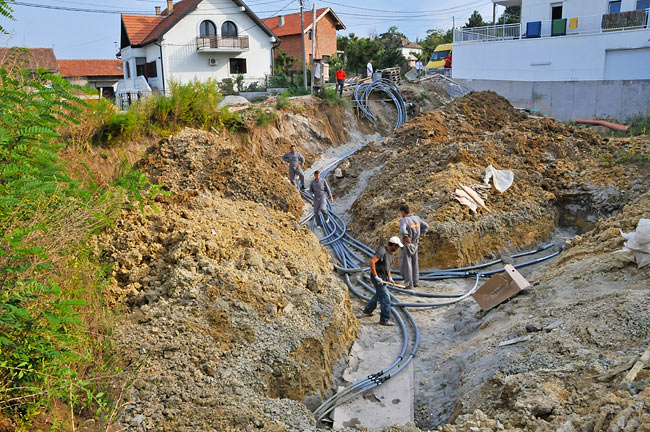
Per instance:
x=575, y=26
x=222, y=44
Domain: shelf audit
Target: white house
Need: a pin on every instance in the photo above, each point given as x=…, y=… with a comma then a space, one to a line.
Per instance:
x=191, y=39
x=410, y=50
x=602, y=47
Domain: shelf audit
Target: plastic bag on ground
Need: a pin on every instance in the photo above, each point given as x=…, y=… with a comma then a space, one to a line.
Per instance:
x=637, y=246
x=502, y=179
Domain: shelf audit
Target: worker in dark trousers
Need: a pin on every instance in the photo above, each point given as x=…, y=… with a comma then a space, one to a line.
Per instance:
x=320, y=191
x=340, y=76
x=380, y=265
x=410, y=229
x=295, y=161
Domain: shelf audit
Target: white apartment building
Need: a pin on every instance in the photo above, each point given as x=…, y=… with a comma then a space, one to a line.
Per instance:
x=602, y=46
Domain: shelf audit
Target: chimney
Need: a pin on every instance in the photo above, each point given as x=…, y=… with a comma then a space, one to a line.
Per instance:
x=157, y=10
x=170, y=7
x=281, y=20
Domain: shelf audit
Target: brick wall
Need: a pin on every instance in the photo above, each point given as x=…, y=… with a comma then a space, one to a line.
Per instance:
x=325, y=42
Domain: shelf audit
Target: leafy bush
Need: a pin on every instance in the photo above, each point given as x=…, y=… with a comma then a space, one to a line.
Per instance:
x=282, y=101
x=227, y=87
x=265, y=118
x=329, y=96
x=299, y=91
x=639, y=126
x=49, y=342
x=254, y=86
x=279, y=81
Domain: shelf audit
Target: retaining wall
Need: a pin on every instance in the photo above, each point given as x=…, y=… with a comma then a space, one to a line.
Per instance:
x=570, y=100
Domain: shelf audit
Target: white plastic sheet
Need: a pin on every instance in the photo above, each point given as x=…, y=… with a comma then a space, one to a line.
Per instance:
x=637, y=246
x=502, y=179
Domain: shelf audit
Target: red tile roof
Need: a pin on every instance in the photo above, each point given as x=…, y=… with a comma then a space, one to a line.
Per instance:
x=30, y=58
x=91, y=68
x=292, y=22
x=408, y=44
x=143, y=30
x=138, y=27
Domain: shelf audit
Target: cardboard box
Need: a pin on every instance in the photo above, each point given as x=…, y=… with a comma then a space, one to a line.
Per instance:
x=500, y=288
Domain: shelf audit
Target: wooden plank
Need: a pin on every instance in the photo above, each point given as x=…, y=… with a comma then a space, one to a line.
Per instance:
x=515, y=340
x=643, y=361
x=617, y=370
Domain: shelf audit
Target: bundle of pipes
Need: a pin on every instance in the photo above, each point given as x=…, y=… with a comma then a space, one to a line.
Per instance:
x=349, y=251
x=362, y=95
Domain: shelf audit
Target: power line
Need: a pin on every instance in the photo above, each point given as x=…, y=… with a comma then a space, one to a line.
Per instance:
x=415, y=16
x=75, y=9
x=447, y=10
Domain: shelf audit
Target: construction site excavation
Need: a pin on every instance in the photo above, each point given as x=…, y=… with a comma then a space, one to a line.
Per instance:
x=249, y=311
x=292, y=216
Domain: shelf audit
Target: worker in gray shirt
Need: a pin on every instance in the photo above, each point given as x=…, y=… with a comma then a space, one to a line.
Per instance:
x=410, y=229
x=320, y=191
x=295, y=161
x=380, y=265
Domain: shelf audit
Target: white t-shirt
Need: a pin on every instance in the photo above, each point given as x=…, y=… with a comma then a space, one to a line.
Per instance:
x=369, y=69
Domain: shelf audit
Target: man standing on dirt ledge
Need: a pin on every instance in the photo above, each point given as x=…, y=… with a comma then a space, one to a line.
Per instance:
x=410, y=229
x=320, y=191
x=295, y=161
x=380, y=266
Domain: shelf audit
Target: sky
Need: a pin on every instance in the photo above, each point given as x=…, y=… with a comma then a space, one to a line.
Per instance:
x=94, y=35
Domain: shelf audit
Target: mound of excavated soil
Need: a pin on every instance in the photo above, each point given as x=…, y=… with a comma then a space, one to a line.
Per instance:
x=568, y=378
x=561, y=174
x=194, y=161
x=235, y=314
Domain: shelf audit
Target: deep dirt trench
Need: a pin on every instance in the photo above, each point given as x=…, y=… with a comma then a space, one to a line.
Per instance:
x=593, y=305
x=236, y=316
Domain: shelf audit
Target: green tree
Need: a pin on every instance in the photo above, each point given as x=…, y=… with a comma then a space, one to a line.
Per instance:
x=357, y=52
x=476, y=20
x=283, y=63
x=434, y=38
x=391, y=53
x=511, y=15
x=5, y=11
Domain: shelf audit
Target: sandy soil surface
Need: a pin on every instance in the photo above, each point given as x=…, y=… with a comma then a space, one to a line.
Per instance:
x=563, y=176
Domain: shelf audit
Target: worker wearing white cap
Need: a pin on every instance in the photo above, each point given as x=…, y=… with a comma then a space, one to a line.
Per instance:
x=380, y=266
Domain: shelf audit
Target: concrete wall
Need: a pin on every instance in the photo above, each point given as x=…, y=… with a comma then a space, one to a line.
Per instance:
x=562, y=58
x=621, y=100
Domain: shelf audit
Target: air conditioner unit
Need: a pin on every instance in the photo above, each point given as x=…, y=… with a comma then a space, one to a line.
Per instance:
x=212, y=61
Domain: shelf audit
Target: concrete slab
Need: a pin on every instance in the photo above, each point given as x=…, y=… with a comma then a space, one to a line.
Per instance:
x=390, y=404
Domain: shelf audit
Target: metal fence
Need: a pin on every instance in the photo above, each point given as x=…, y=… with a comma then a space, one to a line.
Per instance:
x=593, y=24
x=216, y=42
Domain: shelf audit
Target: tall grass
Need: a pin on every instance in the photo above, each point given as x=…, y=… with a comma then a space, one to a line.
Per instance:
x=187, y=105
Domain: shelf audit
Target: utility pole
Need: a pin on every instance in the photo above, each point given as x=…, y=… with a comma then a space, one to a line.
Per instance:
x=313, y=48
x=453, y=20
x=304, y=56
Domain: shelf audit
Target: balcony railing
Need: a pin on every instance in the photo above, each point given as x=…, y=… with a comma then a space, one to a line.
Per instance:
x=542, y=29
x=239, y=43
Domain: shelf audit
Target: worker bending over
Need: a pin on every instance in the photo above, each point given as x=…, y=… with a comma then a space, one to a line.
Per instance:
x=410, y=229
x=380, y=265
x=320, y=191
x=295, y=161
